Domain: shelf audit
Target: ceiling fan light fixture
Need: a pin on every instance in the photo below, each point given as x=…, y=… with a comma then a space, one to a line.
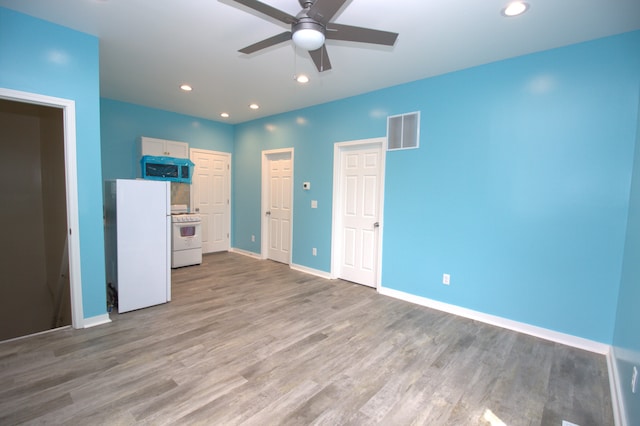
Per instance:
x=308, y=39
x=309, y=29
x=308, y=34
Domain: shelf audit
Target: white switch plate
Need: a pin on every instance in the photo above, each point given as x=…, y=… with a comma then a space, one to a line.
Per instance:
x=314, y=251
x=253, y=238
x=446, y=279
x=314, y=204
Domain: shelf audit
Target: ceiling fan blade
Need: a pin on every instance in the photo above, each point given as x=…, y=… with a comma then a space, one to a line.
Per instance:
x=323, y=10
x=268, y=42
x=362, y=35
x=321, y=58
x=265, y=9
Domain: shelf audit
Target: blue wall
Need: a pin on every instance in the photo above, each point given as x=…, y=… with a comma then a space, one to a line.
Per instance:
x=519, y=190
x=124, y=123
x=40, y=57
x=525, y=171
x=626, y=342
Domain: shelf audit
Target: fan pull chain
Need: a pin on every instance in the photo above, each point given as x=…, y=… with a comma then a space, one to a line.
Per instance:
x=295, y=62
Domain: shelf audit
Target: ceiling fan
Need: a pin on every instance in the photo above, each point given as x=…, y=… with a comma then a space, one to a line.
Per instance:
x=312, y=26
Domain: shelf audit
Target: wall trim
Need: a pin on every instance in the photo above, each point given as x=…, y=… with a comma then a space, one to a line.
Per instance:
x=26, y=336
x=97, y=320
x=295, y=267
x=532, y=330
x=246, y=253
x=311, y=271
x=617, y=401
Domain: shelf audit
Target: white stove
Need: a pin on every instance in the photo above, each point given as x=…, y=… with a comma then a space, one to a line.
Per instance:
x=186, y=238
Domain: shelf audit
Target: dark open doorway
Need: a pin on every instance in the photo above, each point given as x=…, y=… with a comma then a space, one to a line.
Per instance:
x=34, y=289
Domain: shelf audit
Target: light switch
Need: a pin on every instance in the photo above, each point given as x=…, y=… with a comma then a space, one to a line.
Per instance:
x=314, y=204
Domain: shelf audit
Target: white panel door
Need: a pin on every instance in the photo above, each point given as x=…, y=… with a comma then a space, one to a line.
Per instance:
x=210, y=198
x=279, y=207
x=360, y=192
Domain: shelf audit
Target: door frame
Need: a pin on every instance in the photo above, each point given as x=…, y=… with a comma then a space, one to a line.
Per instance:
x=264, y=222
x=228, y=155
x=71, y=178
x=336, y=221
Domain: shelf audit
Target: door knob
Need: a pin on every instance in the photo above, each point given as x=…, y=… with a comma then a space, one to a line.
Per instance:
x=197, y=209
x=376, y=225
x=268, y=213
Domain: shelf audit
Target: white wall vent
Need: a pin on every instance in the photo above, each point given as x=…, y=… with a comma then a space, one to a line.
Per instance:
x=403, y=131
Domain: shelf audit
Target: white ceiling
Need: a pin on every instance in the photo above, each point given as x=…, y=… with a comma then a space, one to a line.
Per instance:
x=149, y=47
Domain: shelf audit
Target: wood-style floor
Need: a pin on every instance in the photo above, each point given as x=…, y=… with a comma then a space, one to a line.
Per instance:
x=252, y=342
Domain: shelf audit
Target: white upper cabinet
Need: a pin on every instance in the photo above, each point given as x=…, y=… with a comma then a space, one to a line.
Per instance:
x=163, y=148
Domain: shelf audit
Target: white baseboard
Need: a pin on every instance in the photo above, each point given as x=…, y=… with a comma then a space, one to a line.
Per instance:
x=617, y=402
x=543, y=333
x=97, y=320
x=35, y=334
x=311, y=271
x=246, y=253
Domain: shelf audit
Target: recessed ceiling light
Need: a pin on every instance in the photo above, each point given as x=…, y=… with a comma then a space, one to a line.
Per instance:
x=254, y=106
x=186, y=87
x=515, y=8
x=224, y=115
x=302, y=79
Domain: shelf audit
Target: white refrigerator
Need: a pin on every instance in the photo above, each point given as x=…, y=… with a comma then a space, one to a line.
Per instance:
x=138, y=242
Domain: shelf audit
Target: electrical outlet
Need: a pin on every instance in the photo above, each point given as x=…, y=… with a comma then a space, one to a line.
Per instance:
x=446, y=279
x=634, y=379
x=314, y=251
x=253, y=238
